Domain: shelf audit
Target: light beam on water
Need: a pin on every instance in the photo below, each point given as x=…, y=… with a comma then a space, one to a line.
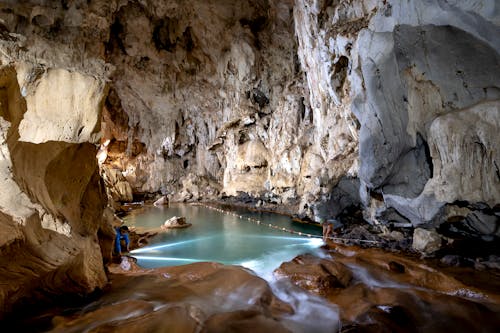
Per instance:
x=265, y=264
x=158, y=247
x=188, y=260
x=307, y=240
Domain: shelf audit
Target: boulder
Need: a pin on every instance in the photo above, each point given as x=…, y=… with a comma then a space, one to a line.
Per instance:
x=426, y=241
x=175, y=222
x=161, y=202
x=139, y=239
x=318, y=275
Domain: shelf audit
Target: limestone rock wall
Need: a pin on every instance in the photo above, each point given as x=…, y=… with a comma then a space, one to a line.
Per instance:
x=429, y=107
x=201, y=92
x=273, y=99
x=277, y=106
x=415, y=71
x=220, y=93
x=51, y=196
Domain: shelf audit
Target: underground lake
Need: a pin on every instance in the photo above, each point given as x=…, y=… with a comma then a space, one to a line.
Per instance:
x=257, y=240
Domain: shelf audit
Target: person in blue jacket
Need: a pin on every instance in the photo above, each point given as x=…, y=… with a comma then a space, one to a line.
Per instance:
x=121, y=236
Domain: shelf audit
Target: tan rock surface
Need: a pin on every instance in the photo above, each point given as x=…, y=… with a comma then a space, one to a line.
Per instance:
x=317, y=275
x=118, y=188
x=51, y=203
x=204, y=297
x=396, y=292
x=64, y=106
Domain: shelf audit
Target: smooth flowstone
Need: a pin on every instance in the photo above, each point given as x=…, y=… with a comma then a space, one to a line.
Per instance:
x=201, y=297
x=379, y=291
x=318, y=275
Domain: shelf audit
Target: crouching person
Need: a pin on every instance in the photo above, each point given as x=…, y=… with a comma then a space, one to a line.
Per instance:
x=122, y=240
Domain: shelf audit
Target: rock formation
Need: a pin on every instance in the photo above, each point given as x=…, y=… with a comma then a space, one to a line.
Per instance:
x=51, y=196
x=315, y=274
x=319, y=107
x=376, y=290
x=175, y=222
x=276, y=106
x=426, y=241
x=428, y=72
x=170, y=307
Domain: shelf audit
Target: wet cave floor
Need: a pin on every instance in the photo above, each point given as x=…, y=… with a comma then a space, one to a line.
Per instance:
x=295, y=284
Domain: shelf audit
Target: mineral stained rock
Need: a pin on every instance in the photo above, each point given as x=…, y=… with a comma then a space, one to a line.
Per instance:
x=382, y=290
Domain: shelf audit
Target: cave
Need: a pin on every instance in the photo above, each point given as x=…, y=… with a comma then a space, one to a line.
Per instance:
x=359, y=136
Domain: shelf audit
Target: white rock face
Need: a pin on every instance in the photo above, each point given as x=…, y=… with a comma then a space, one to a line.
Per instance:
x=63, y=106
x=426, y=241
x=249, y=170
x=466, y=147
x=13, y=201
x=49, y=222
x=175, y=222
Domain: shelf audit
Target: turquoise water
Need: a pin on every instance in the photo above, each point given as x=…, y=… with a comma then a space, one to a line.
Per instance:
x=230, y=238
x=221, y=237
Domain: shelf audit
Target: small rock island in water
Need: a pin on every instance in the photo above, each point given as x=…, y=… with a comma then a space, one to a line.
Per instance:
x=175, y=222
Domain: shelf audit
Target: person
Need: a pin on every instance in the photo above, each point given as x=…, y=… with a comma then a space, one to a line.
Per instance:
x=327, y=229
x=121, y=236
